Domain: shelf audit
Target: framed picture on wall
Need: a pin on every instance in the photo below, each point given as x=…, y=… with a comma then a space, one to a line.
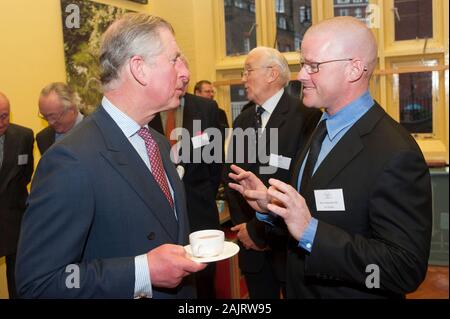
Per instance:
x=140, y=1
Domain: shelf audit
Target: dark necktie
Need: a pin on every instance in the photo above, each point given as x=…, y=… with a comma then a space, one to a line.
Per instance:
x=156, y=163
x=258, y=121
x=314, y=150
x=258, y=126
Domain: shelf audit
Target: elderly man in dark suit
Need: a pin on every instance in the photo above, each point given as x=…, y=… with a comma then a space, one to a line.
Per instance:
x=59, y=105
x=263, y=257
x=201, y=179
x=107, y=212
x=359, y=205
x=16, y=168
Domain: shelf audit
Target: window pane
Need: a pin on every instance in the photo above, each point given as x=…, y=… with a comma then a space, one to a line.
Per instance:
x=293, y=18
x=413, y=19
x=416, y=102
x=354, y=8
x=240, y=26
x=238, y=100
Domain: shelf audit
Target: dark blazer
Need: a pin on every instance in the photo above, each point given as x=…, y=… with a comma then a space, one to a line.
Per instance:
x=295, y=123
x=387, y=218
x=201, y=180
x=94, y=203
x=14, y=179
x=45, y=138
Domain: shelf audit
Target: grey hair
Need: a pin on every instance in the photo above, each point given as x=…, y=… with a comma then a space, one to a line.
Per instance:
x=132, y=34
x=69, y=98
x=274, y=57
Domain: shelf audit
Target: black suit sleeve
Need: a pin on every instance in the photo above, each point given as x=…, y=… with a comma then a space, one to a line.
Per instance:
x=399, y=213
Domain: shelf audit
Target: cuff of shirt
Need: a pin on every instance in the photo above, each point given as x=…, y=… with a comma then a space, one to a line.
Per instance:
x=142, y=282
x=268, y=218
x=307, y=240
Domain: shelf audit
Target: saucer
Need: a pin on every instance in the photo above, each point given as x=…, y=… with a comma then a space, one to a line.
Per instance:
x=229, y=250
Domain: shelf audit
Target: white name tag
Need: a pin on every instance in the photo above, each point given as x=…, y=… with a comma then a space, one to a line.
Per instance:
x=200, y=140
x=279, y=161
x=329, y=199
x=22, y=159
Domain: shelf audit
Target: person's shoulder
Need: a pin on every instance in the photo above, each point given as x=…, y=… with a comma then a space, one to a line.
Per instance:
x=386, y=131
x=45, y=131
x=20, y=130
x=201, y=102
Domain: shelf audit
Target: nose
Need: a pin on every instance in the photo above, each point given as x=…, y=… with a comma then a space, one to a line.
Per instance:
x=302, y=75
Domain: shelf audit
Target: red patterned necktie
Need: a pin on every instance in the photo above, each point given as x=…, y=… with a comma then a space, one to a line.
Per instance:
x=156, y=163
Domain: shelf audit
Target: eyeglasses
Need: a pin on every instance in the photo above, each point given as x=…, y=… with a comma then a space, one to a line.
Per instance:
x=246, y=72
x=52, y=118
x=4, y=116
x=313, y=67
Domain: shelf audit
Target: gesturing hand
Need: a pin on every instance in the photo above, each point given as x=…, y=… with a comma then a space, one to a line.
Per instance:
x=251, y=187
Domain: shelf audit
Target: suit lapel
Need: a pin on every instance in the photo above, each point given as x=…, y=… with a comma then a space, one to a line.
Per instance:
x=124, y=158
x=344, y=151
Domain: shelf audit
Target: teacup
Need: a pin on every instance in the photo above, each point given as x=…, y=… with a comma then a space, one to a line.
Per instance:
x=207, y=243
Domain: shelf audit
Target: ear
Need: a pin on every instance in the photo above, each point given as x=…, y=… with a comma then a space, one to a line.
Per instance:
x=138, y=69
x=274, y=74
x=356, y=70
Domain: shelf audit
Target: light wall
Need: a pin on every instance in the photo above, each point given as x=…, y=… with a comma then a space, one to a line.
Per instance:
x=32, y=53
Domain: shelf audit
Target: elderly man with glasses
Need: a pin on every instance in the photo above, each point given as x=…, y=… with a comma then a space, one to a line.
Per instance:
x=59, y=106
x=359, y=205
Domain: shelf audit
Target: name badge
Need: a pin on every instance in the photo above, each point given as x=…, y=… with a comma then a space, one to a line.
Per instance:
x=22, y=159
x=200, y=140
x=279, y=161
x=329, y=199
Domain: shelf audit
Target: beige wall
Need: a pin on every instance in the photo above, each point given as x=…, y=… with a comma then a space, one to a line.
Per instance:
x=32, y=54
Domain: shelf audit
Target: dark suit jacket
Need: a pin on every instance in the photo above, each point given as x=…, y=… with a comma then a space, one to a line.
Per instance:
x=295, y=123
x=201, y=180
x=45, y=138
x=14, y=179
x=94, y=203
x=387, y=218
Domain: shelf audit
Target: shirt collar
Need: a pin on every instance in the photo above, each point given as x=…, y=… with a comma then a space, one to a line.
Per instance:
x=128, y=126
x=348, y=115
x=271, y=103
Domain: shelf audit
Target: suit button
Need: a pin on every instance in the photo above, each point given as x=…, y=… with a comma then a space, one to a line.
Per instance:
x=151, y=236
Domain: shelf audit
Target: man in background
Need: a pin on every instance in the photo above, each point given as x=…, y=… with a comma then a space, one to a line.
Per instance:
x=205, y=88
x=16, y=168
x=201, y=180
x=59, y=105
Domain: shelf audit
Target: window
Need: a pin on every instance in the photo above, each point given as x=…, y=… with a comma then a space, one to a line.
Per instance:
x=413, y=19
x=416, y=102
x=279, y=6
x=292, y=24
x=282, y=23
x=343, y=12
x=240, y=27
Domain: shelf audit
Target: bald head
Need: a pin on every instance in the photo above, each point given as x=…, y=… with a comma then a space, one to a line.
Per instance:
x=346, y=37
x=4, y=113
